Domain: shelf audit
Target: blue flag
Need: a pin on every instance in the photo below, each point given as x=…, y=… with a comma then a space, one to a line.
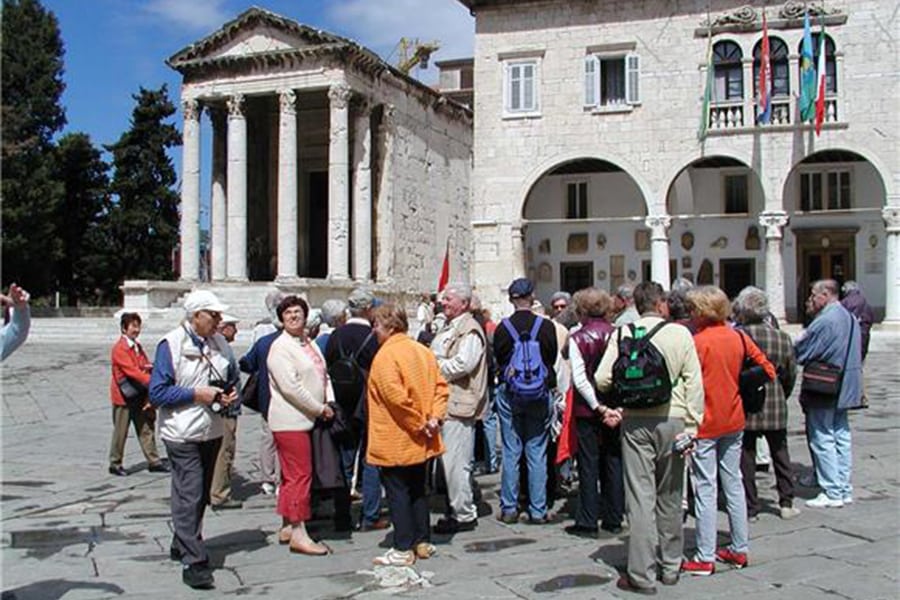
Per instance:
x=807, y=75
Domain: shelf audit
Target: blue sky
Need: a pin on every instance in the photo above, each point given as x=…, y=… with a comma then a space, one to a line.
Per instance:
x=115, y=46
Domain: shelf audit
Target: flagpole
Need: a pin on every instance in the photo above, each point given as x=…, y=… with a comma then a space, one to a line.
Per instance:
x=707, y=89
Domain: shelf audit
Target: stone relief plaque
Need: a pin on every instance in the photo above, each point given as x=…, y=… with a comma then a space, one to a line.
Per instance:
x=632, y=275
x=720, y=242
x=601, y=241
x=687, y=240
x=752, y=241
x=601, y=275
x=685, y=262
x=705, y=275
x=642, y=240
x=545, y=272
x=544, y=246
x=577, y=243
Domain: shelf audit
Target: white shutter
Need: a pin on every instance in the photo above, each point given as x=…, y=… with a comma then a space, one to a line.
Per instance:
x=591, y=81
x=632, y=79
x=528, y=88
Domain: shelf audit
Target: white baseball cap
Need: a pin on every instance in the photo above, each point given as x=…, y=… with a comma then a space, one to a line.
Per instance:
x=203, y=300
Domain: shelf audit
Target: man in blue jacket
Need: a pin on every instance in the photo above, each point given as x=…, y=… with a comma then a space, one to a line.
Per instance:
x=833, y=337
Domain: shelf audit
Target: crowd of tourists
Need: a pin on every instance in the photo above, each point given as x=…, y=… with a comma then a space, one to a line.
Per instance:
x=633, y=394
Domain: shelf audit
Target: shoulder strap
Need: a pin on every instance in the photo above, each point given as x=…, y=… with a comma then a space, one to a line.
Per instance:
x=355, y=354
x=743, y=342
x=512, y=330
x=849, y=341
x=536, y=327
x=646, y=338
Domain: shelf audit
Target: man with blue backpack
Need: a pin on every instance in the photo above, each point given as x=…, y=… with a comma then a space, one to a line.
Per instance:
x=525, y=348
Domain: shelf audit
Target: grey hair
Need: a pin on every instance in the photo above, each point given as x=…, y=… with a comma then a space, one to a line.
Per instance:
x=750, y=306
x=560, y=295
x=625, y=291
x=333, y=310
x=463, y=290
x=850, y=286
x=681, y=285
x=273, y=299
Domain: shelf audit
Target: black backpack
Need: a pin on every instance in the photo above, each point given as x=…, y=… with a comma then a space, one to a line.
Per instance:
x=348, y=378
x=640, y=375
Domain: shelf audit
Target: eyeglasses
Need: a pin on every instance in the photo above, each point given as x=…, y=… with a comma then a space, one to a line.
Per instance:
x=214, y=314
x=560, y=306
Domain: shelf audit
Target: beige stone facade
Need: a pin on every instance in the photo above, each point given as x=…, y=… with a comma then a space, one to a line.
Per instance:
x=328, y=167
x=588, y=168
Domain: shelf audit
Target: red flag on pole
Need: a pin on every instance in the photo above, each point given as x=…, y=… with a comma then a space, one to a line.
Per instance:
x=445, y=270
x=820, y=83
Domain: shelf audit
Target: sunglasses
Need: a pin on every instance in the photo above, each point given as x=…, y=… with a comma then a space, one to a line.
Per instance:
x=560, y=306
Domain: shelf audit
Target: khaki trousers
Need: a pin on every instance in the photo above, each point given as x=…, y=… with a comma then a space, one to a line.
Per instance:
x=220, y=490
x=144, y=423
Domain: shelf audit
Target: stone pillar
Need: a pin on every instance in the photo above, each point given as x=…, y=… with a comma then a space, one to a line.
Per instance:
x=891, y=216
x=659, y=248
x=237, y=189
x=362, y=193
x=219, y=216
x=190, y=191
x=287, y=186
x=518, y=250
x=338, y=184
x=385, y=246
x=775, y=221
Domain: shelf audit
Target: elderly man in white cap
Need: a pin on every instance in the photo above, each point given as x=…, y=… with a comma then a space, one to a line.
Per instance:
x=194, y=379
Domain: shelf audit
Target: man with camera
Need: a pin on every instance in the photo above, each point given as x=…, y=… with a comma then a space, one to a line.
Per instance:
x=194, y=379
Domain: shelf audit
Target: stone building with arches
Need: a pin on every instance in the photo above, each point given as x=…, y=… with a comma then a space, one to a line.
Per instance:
x=588, y=169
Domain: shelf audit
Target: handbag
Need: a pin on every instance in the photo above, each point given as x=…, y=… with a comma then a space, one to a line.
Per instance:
x=752, y=383
x=823, y=380
x=250, y=392
x=131, y=390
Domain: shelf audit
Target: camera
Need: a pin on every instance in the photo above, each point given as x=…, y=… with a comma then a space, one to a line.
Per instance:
x=682, y=444
x=216, y=405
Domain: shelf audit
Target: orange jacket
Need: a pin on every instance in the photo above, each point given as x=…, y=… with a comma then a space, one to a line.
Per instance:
x=721, y=359
x=405, y=389
x=126, y=362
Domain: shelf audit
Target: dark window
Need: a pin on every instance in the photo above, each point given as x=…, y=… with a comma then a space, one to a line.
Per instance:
x=825, y=191
x=778, y=59
x=728, y=71
x=576, y=276
x=576, y=205
x=736, y=194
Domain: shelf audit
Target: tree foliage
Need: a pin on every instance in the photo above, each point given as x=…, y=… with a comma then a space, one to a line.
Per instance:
x=143, y=221
x=32, y=69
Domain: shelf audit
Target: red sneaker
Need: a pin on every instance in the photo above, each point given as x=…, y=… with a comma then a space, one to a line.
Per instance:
x=736, y=559
x=698, y=567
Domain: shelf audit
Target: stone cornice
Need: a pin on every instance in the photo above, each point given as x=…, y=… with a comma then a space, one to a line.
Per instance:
x=748, y=19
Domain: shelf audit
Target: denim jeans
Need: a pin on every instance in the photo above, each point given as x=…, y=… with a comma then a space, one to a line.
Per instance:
x=371, y=487
x=829, y=440
x=523, y=429
x=722, y=455
x=490, y=424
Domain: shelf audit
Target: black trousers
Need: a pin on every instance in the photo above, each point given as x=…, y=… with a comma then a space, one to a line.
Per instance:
x=781, y=462
x=405, y=490
x=599, y=461
x=192, y=465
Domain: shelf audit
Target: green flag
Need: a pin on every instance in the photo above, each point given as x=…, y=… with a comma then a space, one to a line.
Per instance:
x=707, y=93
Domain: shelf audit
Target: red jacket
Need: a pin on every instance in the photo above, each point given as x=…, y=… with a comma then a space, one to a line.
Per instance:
x=126, y=362
x=721, y=358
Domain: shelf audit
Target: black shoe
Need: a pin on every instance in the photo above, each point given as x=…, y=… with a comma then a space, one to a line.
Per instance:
x=449, y=526
x=669, y=578
x=612, y=529
x=581, y=531
x=228, y=504
x=160, y=467
x=547, y=519
x=117, y=470
x=175, y=554
x=198, y=576
x=624, y=583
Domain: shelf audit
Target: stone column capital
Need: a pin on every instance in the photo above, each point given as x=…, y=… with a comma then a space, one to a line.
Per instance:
x=191, y=109
x=236, y=106
x=339, y=94
x=891, y=216
x=774, y=222
x=287, y=100
x=659, y=225
x=362, y=105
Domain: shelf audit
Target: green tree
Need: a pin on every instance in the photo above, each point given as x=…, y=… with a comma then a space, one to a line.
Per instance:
x=83, y=174
x=32, y=69
x=143, y=221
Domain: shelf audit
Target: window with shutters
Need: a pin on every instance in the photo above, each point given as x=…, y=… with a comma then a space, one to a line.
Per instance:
x=612, y=81
x=828, y=190
x=520, y=87
x=577, y=200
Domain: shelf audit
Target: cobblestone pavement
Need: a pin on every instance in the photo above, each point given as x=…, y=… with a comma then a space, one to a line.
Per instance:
x=70, y=530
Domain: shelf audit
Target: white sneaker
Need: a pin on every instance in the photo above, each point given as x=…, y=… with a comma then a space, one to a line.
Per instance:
x=395, y=558
x=823, y=501
x=848, y=499
x=268, y=488
x=789, y=512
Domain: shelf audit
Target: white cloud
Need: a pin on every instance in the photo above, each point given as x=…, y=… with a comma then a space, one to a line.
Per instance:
x=379, y=25
x=203, y=16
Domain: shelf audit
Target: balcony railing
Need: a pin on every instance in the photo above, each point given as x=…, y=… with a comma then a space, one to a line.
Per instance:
x=726, y=115
x=729, y=115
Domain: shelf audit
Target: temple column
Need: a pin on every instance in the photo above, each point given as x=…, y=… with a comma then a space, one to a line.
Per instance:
x=384, y=257
x=338, y=184
x=190, y=191
x=237, y=189
x=891, y=216
x=287, y=186
x=775, y=221
x=518, y=250
x=219, y=216
x=659, y=249
x=362, y=194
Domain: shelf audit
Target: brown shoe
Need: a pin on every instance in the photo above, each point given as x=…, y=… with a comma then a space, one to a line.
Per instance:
x=425, y=550
x=313, y=549
x=380, y=523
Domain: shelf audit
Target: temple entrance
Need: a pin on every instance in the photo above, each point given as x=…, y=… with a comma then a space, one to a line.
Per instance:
x=317, y=217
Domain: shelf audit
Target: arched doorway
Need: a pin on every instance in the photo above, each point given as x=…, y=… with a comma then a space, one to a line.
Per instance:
x=584, y=226
x=834, y=199
x=715, y=238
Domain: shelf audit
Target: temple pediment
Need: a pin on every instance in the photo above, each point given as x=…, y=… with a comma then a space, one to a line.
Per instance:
x=255, y=32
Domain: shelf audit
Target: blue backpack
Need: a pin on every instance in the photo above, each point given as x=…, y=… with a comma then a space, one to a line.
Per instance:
x=525, y=375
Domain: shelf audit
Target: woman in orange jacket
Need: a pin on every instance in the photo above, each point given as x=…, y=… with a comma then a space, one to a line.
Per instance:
x=407, y=402
x=130, y=365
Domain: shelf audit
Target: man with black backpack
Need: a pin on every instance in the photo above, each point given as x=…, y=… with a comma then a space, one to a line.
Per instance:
x=652, y=372
x=349, y=353
x=525, y=348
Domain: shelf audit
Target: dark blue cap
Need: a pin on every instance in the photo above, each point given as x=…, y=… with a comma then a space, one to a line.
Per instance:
x=520, y=288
